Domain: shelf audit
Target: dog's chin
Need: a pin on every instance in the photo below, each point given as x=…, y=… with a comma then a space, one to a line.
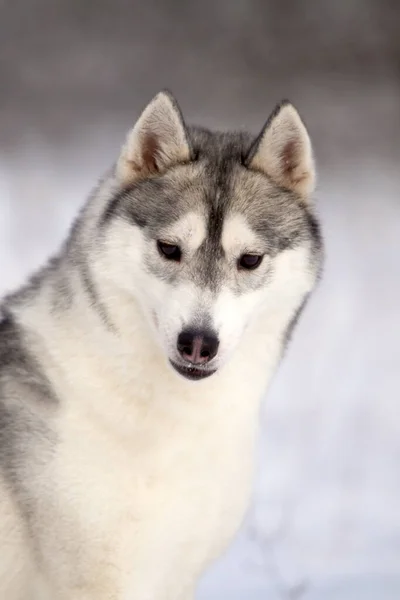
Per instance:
x=191, y=372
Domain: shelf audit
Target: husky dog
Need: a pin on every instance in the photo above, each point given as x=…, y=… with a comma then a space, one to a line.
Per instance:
x=132, y=366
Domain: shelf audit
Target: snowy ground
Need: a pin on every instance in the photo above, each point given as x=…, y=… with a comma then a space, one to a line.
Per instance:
x=326, y=502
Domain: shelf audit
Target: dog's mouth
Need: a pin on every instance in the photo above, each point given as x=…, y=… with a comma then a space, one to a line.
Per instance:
x=191, y=372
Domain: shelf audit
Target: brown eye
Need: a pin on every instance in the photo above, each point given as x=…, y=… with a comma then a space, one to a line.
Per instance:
x=249, y=261
x=169, y=251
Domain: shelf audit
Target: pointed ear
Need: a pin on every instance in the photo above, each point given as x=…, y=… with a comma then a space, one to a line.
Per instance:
x=157, y=141
x=283, y=151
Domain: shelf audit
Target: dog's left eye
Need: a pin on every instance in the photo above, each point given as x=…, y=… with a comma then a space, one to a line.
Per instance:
x=249, y=261
x=169, y=251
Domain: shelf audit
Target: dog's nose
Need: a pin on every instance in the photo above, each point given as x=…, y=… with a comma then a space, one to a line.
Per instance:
x=197, y=347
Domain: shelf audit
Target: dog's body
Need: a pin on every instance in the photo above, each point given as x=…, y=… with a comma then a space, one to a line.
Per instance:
x=120, y=478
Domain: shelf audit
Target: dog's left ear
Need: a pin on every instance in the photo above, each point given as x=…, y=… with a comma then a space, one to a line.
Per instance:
x=157, y=142
x=283, y=151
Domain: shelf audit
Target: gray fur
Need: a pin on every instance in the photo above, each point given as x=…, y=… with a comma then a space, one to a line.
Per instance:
x=27, y=401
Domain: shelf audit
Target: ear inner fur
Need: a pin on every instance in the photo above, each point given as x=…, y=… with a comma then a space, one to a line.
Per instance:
x=157, y=142
x=283, y=151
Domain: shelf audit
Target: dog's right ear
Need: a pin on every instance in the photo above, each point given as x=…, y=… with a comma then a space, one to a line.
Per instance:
x=157, y=142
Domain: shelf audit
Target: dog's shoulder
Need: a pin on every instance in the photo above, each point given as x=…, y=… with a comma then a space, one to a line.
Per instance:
x=12, y=356
x=26, y=395
x=18, y=365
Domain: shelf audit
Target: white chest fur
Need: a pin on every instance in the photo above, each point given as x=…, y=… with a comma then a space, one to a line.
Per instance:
x=152, y=473
x=161, y=494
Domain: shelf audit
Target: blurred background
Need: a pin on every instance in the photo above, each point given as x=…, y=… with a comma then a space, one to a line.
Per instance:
x=74, y=74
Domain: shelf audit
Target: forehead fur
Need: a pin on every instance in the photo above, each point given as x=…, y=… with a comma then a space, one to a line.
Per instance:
x=189, y=229
x=216, y=185
x=238, y=237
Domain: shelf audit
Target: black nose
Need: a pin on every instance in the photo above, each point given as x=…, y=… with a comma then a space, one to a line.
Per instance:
x=197, y=347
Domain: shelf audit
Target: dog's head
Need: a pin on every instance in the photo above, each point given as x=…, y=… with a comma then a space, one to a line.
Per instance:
x=208, y=229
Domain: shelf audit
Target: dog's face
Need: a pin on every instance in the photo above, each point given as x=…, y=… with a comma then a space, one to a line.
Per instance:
x=210, y=229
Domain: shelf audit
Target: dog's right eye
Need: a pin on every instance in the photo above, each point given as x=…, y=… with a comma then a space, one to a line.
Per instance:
x=169, y=251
